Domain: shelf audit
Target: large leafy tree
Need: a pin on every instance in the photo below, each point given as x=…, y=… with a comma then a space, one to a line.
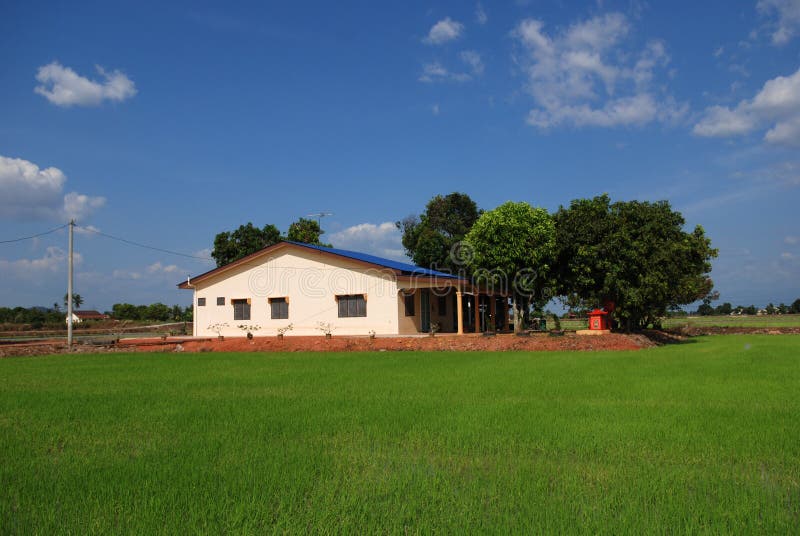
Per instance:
x=230, y=246
x=306, y=231
x=432, y=238
x=513, y=246
x=634, y=257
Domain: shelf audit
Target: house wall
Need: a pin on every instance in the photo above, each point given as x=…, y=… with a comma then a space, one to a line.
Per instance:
x=311, y=281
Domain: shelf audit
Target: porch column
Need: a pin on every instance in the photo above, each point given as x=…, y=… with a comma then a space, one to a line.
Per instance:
x=459, y=312
x=492, y=313
x=477, y=312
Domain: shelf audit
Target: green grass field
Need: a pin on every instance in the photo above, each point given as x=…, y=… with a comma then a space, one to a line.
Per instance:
x=698, y=437
x=724, y=321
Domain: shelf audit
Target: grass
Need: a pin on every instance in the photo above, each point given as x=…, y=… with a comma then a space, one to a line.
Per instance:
x=747, y=321
x=700, y=437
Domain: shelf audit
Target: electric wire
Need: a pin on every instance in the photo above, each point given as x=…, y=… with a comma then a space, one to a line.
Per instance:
x=145, y=246
x=33, y=236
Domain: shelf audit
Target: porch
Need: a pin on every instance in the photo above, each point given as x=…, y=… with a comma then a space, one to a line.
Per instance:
x=453, y=309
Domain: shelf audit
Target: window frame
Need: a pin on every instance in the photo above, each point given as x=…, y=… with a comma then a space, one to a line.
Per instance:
x=220, y=300
x=244, y=310
x=279, y=301
x=409, y=299
x=352, y=305
x=201, y=302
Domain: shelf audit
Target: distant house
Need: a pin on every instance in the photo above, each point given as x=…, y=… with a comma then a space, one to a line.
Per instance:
x=352, y=293
x=80, y=316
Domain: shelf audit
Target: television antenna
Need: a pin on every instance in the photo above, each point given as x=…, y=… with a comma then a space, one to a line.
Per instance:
x=319, y=216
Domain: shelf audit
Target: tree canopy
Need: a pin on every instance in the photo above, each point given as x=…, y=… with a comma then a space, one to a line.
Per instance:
x=231, y=246
x=512, y=247
x=632, y=256
x=306, y=231
x=430, y=239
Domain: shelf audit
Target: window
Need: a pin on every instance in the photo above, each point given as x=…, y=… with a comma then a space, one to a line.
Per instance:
x=201, y=302
x=279, y=308
x=352, y=305
x=409, y=301
x=220, y=301
x=241, y=309
x=442, y=306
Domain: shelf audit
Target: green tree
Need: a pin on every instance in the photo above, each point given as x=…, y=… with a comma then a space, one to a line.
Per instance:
x=512, y=247
x=77, y=300
x=724, y=309
x=306, y=231
x=632, y=256
x=795, y=307
x=430, y=239
x=231, y=246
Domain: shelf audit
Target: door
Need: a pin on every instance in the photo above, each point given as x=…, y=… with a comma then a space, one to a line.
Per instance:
x=425, y=311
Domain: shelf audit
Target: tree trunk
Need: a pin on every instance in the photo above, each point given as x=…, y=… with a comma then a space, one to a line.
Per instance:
x=518, y=317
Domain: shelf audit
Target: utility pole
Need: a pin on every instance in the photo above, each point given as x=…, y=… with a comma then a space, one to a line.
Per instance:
x=69, y=286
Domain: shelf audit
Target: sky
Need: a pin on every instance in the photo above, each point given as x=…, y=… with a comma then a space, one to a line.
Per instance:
x=165, y=123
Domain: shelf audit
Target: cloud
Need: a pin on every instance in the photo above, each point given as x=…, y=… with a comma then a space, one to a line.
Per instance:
x=792, y=240
x=443, y=31
x=775, y=108
x=436, y=72
x=480, y=15
x=64, y=87
x=435, y=109
x=383, y=239
x=28, y=192
x=583, y=76
x=473, y=60
x=788, y=18
x=159, y=268
x=53, y=261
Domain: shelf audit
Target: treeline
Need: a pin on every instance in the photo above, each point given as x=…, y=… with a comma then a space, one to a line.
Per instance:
x=35, y=317
x=726, y=308
x=157, y=312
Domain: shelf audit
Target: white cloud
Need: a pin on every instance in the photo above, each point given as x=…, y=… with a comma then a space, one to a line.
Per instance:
x=435, y=109
x=436, y=72
x=792, y=240
x=383, y=240
x=583, y=76
x=473, y=60
x=480, y=15
x=53, y=261
x=788, y=18
x=64, y=87
x=775, y=108
x=443, y=31
x=28, y=192
x=159, y=268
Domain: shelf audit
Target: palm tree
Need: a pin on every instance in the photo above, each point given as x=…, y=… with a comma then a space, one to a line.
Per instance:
x=77, y=300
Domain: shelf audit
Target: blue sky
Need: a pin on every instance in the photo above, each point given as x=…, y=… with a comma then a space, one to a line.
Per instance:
x=166, y=123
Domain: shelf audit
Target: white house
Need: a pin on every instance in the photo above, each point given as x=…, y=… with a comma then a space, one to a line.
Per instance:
x=354, y=293
x=80, y=316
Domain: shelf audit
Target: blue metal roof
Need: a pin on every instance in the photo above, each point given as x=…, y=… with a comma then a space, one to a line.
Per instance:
x=406, y=268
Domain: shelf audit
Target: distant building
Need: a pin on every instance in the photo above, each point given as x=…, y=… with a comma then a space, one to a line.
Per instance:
x=80, y=316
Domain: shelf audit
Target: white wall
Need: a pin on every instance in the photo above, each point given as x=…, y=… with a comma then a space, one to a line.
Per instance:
x=310, y=280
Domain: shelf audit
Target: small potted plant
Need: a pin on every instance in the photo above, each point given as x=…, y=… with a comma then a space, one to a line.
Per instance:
x=249, y=329
x=435, y=327
x=326, y=328
x=218, y=328
x=282, y=331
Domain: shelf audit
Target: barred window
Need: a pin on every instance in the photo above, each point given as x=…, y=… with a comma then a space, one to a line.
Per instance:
x=409, y=302
x=352, y=305
x=279, y=308
x=220, y=301
x=241, y=310
x=201, y=302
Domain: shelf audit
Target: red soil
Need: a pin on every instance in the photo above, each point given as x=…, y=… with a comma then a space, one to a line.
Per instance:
x=365, y=344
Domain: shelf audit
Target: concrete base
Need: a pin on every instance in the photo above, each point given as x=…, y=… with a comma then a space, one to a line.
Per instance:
x=593, y=332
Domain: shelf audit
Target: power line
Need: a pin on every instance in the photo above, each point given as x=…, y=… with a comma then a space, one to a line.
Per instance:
x=33, y=236
x=145, y=246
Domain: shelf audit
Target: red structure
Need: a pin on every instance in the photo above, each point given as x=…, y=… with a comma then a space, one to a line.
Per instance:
x=598, y=320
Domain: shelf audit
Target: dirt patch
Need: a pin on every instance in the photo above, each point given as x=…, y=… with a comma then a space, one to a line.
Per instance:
x=459, y=343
